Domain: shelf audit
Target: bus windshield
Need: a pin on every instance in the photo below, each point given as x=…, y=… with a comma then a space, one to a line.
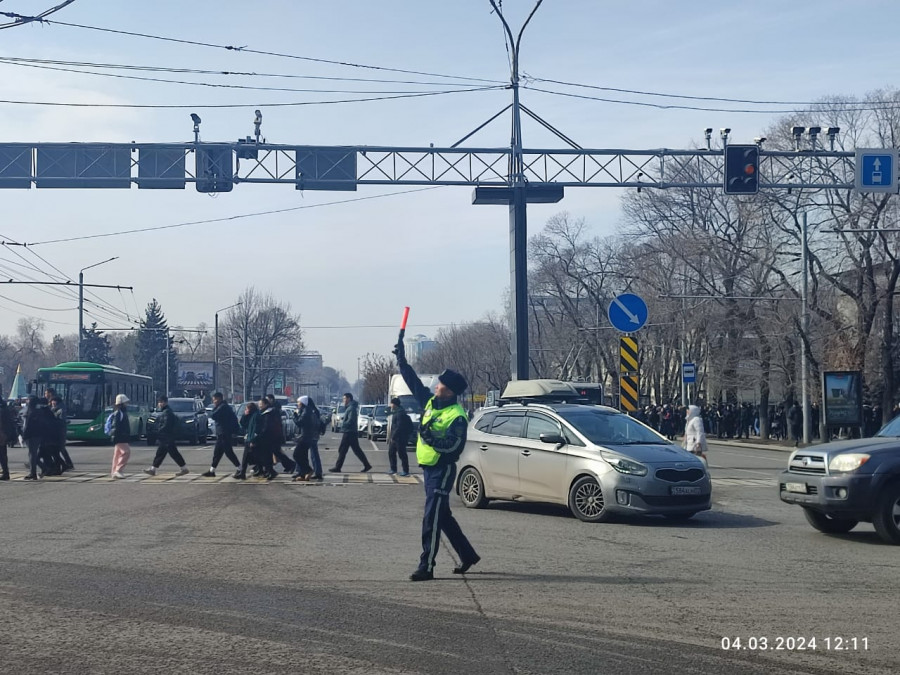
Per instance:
x=82, y=401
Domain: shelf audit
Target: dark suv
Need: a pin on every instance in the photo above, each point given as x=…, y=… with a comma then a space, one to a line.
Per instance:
x=847, y=482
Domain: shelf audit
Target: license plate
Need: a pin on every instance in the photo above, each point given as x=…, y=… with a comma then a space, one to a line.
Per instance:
x=686, y=490
x=795, y=487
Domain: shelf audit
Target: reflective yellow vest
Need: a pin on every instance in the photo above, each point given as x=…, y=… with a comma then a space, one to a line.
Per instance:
x=443, y=418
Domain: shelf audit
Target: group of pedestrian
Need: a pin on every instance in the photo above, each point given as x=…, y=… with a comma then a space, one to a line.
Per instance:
x=44, y=434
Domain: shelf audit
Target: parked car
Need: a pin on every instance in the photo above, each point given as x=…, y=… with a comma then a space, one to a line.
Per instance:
x=847, y=482
x=365, y=411
x=593, y=459
x=287, y=421
x=325, y=412
x=337, y=418
x=193, y=423
x=378, y=423
x=212, y=422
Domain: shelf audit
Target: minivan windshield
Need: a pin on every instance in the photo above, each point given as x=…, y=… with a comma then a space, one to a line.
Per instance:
x=609, y=428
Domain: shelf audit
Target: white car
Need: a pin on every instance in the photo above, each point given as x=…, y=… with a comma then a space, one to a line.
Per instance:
x=365, y=412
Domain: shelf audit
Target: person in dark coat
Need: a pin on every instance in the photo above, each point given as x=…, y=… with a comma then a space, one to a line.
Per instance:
x=307, y=422
x=34, y=428
x=278, y=436
x=226, y=427
x=401, y=430
x=350, y=436
x=795, y=418
x=166, y=426
x=52, y=463
x=268, y=437
x=8, y=432
x=121, y=437
x=249, y=424
x=59, y=410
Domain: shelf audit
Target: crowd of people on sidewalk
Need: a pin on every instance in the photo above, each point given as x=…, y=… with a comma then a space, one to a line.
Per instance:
x=742, y=420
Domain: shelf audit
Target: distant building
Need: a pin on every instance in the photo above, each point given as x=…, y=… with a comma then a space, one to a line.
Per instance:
x=417, y=346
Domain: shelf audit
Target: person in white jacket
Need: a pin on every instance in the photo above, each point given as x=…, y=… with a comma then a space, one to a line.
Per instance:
x=694, y=433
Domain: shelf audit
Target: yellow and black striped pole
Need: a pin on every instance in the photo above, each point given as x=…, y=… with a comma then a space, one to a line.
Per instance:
x=628, y=374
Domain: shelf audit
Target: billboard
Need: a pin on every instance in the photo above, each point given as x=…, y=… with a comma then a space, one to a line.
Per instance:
x=196, y=375
x=842, y=394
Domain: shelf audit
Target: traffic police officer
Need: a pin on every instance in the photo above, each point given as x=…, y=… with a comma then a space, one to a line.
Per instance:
x=442, y=436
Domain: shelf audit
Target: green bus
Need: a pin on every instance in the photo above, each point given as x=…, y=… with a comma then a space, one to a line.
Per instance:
x=88, y=392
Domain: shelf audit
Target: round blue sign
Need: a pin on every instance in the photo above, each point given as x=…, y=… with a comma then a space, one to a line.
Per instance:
x=627, y=312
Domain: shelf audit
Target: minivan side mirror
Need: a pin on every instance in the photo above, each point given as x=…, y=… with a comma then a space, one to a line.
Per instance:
x=553, y=438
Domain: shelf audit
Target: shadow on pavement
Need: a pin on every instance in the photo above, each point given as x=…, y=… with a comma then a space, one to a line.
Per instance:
x=704, y=520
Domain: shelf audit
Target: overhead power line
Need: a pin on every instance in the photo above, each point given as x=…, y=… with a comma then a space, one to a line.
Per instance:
x=248, y=50
x=228, y=218
x=688, y=96
x=243, y=105
x=19, y=20
x=229, y=73
x=213, y=85
x=853, y=107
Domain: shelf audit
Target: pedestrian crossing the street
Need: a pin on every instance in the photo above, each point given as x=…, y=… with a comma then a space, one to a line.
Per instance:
x=332, y=480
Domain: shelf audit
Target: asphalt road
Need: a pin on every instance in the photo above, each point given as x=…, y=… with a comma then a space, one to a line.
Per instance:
x=203, y=576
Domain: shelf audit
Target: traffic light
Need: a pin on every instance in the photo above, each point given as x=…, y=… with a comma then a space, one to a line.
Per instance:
x=741, y=169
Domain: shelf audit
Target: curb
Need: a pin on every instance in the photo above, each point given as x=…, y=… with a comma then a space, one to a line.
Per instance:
x=755, y=446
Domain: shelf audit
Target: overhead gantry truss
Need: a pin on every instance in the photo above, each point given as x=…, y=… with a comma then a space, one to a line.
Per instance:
x=218, y=167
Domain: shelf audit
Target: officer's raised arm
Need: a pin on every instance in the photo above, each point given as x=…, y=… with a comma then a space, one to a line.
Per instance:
x=419, y=390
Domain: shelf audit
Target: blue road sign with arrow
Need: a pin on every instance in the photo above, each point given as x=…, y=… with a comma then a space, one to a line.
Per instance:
x=876, y=170
x=627, y=312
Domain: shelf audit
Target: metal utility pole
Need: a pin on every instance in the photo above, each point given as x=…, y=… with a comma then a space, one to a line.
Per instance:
x=244, y=361
x=804, y=328
x=216, y=348
x=81, y=301
x=231, y=364
x=518, y=220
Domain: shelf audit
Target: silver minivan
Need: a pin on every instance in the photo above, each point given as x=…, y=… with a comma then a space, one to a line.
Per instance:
x=593, y=459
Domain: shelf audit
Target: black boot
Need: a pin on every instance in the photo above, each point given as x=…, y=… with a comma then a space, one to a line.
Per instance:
x=421, y=575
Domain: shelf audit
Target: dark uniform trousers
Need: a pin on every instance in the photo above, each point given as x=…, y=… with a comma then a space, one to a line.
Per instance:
x=167, y=448
x=224, y=447
x=350, y=441
x=439, y=481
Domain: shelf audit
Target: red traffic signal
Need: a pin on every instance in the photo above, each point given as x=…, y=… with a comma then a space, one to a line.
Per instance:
x=741, y=170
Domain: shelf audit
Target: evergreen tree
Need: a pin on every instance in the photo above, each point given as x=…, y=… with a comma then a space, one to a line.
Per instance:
x=150, y=351
x=95, y=346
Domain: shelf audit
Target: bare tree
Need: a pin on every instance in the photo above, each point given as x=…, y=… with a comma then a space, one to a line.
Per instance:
x=376, y=378
x=268, y=340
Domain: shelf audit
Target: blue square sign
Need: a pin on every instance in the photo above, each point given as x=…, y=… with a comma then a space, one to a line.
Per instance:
x=876, y=170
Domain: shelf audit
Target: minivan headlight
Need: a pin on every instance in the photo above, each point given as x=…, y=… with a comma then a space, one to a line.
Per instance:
x=848, y=462
x=623, y=465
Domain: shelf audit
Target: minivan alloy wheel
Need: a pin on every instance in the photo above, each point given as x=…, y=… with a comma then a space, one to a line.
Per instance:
x=586, y=500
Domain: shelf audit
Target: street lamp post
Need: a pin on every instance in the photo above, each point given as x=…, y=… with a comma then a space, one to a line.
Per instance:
x=804, y=328
x=81, y=302
x=216, y=347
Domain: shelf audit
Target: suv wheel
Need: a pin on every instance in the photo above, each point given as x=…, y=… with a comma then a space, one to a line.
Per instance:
x=471, y=489
x=887, y=514
x=587, y=502
x=827, y=523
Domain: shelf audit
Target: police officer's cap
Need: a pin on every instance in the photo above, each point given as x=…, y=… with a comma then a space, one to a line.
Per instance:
x=454, y=381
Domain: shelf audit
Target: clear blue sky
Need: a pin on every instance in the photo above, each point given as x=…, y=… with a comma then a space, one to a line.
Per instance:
x=360, y=263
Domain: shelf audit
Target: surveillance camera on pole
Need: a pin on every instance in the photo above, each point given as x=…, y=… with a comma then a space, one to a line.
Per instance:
x=196, y=119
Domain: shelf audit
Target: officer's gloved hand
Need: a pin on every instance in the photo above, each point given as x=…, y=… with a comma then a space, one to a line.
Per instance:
x=400, y=352
x=426, y=436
